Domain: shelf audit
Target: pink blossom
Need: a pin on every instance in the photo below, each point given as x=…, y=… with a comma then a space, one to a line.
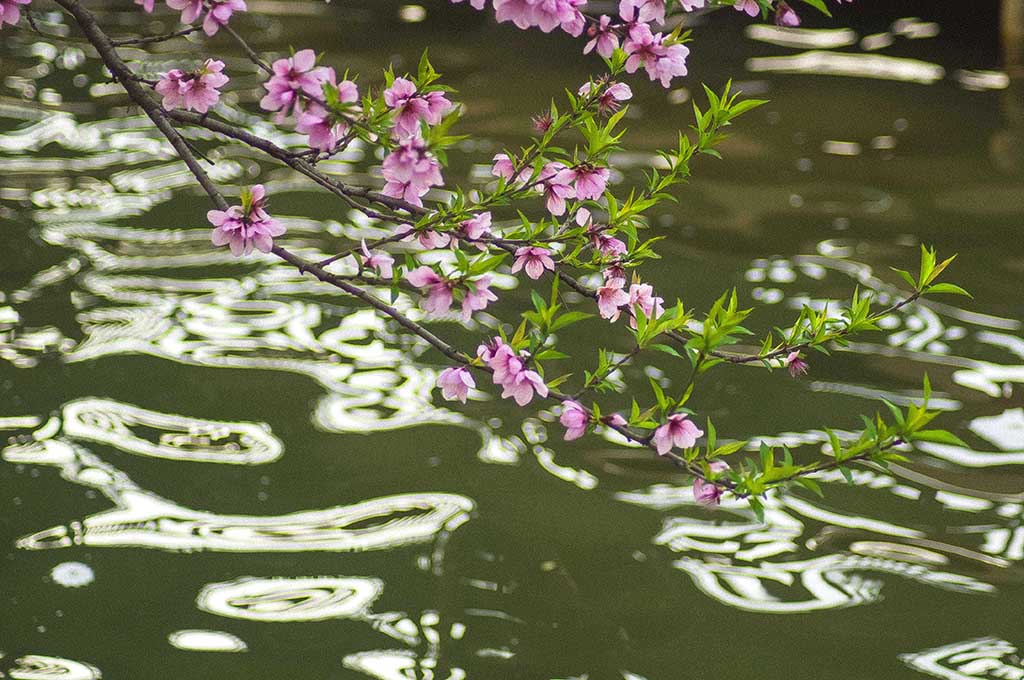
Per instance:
x=519, y=12
x=662, y=62
x=642, y=295
x=10, y=13
x=707, y=492
x=541, y=123
x=292, y=80
x=643, y=11
x=433, y=239
x=478, y=296
x=147, y=5
x=378, y=260
x=196, y=90
x=556, y=186
x=786, y=16
x=499, y=357
x=609, y=100
x=602, y=38
x=615, y=420
x=545, y=14
x=247, y=226
x=319, y=124
x=589, y=181
x=534, y=260
x=411, y=107
x=575, y=21
x=608, y=246
x=748, y=6
x=476, y=4
x=690, y=5
x=522, y=384
x=324, y=127
x=410, y=171
x=575, y=420
x=220, y=13
x=455, y=383
x=438, y=291
x=796, y=365
x=476, y=228
x=190, y=9
x=610, y=297
x=504, y=167
x=614, y=270
x=510, y=372
x=678, y=431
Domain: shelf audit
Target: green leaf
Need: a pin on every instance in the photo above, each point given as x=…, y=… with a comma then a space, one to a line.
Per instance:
x=810, y=485
x=666, y=349
x=950, y=288
x=906, y=276
x=729, y=449
x=567, y=319
x=938, y=437
x=757, y=507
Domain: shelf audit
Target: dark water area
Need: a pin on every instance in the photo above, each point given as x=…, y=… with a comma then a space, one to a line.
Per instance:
x=212, y=468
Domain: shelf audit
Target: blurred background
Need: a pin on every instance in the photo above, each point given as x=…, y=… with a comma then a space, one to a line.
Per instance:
x=213, y=468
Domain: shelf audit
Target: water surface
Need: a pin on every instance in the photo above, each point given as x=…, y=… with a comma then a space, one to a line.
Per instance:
x=214, y=468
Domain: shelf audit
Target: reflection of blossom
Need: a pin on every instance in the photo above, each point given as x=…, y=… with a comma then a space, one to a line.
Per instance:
x=72, y=574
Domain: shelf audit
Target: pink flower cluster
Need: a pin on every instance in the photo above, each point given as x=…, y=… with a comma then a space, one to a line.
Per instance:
x=411, y=107
x=510, y=371
x=547, y=15
x=10, y=13
x=410, y=171
x=439, y=292
x=247, y=226
x=297, y=86
x=192, y=90
x=558, y=182
x=662, y=61
x=612, y=296
x=218, y=12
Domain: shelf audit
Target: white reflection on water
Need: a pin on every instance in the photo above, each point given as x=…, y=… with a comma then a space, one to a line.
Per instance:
x=395, y=664
x=39, y=667
x=206, y=641
x=123, y=426
x=291, y=599
x=847, y=64
x=143, y=519
x=779, y=566
x=801, y=37
x=977, y=659
x=147, y=521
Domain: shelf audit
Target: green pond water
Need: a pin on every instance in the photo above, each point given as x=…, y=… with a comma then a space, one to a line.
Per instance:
x=213, y=468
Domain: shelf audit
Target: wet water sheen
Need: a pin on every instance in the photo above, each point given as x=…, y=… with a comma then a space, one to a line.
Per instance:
x=212, y=468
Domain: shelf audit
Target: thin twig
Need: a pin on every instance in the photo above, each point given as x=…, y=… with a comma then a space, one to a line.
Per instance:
x=154, y=38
